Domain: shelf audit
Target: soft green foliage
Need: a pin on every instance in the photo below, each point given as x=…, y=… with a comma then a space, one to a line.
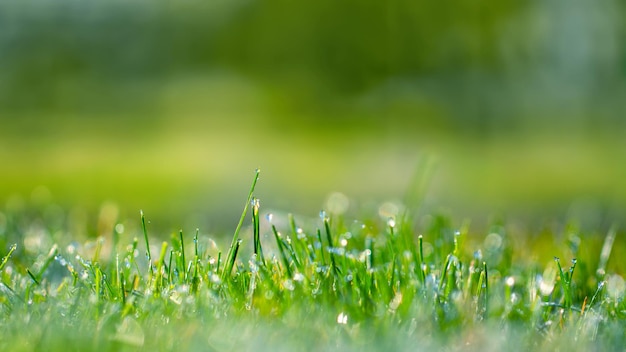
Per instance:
x=334, y=284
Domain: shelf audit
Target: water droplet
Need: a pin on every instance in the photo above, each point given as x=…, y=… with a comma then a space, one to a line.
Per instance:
x=298, y=277
x=342, y=318
x=269, y=217
x=288, y=284
x=336, y=250
x=510, y=281
x=323, y=215
x=60, y=260
x=391, y=222
x=478, y=255
x=343, y=242
x=119, y=228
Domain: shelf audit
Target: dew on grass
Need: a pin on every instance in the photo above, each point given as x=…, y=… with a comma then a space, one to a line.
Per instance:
x=60, y=260
x=322, y=269
x=298, y=277
x=288, y=284
x=215, y=278
x=343, y=242
x=342, y=318
x=515, y=298
x=300, y=233
x=119, y=228
x=254, y=268
x=269, y=217
x=336, y=250
x=510, y=281
x=324, y=216
x=478, y=255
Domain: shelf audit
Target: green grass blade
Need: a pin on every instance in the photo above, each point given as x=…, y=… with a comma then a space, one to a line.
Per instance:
x=145, y=235
x=182, y=253
x=605, y=254
x=6, y=257
x=234, y=244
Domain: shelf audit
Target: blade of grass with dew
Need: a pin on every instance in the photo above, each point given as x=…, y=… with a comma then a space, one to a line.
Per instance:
x=234, y=244
x=145, y=236
x=6, y=257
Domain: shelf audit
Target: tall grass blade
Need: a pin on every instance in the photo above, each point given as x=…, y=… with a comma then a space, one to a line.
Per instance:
x=182, y=253
x=234, y=244
x=145, y=235
x=6, y=257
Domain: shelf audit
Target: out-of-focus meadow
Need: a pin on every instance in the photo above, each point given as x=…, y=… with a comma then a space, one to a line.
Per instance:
x=504, y=107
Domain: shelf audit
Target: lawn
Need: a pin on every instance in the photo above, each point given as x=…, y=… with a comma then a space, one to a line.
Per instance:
x=395, y=279
x=468, y=161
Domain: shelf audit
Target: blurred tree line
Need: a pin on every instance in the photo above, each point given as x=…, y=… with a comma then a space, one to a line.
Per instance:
x=494, y=64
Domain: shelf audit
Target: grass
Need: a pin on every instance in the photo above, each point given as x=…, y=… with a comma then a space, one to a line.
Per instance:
x=299, y=284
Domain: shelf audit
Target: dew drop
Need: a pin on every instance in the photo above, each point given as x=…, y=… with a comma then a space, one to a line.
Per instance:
x=288, y=284
x=269, y=217
x=510, y=281
x=391, y=222
x=342, y=318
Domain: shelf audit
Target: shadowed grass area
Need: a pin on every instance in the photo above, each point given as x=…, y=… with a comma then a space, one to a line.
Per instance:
x=389, y=281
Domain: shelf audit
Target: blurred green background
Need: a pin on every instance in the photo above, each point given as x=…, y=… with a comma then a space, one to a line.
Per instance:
x=503, y=107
